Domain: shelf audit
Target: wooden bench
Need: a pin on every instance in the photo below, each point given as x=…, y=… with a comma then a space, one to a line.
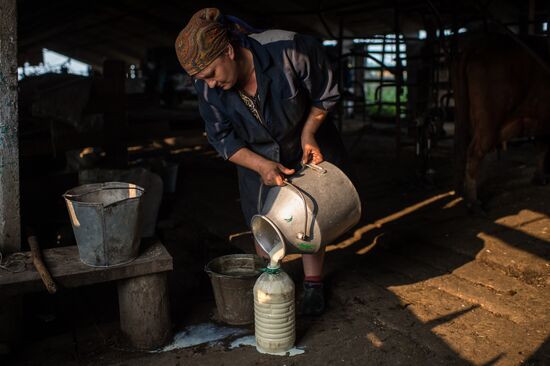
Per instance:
x=142, y=288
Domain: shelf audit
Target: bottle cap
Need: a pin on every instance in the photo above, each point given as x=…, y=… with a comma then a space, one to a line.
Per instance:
x=271, y=270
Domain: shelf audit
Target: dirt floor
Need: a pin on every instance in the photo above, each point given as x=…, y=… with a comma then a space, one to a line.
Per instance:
x=420, y=282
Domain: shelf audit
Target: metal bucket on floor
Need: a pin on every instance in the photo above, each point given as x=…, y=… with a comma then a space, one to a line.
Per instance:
x=233, y=277
x=106, y=219
x=318, y=204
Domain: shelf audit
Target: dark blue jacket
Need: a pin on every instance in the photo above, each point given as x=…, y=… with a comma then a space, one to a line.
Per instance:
x=293, y=74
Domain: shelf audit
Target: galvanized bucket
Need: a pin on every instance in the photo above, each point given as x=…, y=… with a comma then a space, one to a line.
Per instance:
x=318, y=204
x=106, y=219
x=233, y=277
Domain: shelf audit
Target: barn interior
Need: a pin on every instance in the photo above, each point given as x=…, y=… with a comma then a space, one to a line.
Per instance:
x=92, y=92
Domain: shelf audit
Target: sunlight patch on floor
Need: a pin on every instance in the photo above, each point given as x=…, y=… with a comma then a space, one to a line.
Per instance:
x=532, y=223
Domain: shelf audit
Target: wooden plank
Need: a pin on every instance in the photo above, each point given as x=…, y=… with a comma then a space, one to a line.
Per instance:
x=68, y=271
x=10, y=232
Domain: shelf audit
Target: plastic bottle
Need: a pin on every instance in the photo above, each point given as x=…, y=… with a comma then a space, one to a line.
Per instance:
x=274, y=311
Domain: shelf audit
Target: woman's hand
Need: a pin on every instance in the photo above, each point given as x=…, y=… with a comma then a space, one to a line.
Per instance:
x=311, y=152
x=273, y=173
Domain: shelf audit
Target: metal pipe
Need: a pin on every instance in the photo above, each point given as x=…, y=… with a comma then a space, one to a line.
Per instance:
x=341, y=74
x=398, y=81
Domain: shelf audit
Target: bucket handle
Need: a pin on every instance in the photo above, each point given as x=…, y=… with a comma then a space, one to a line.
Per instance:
x=68, y=195
x=315, y=167
x=300, y=235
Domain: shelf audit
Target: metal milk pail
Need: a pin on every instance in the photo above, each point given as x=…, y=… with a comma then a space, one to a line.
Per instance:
x=318, y=204
x=105, y=219
x=233, y=277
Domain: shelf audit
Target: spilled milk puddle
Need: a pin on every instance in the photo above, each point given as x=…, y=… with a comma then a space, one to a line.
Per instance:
x=210, y=334
x=250, y=340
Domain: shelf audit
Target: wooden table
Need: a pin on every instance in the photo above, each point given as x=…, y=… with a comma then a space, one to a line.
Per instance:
x=142, y=288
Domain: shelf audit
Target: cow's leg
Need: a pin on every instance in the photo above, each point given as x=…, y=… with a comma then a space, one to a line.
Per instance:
x=475, y=155
x=542, y=146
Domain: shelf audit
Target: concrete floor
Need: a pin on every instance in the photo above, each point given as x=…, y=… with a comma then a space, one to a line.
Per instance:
x=420, y=282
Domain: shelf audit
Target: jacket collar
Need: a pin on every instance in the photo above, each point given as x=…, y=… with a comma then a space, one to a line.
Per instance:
x=262, y=63
x=262, y=60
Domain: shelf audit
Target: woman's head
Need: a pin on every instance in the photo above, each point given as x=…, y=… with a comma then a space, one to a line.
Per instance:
x=202, y=40
x=223, y=72
x=205, y=50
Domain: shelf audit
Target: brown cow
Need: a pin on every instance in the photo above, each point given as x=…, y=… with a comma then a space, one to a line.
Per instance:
x=502, y=91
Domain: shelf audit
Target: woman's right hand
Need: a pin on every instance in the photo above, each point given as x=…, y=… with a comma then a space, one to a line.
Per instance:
x=273, y=174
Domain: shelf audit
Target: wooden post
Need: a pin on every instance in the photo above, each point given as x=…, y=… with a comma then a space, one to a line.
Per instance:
x=116, y=121
x=145, y=310
x=10, y=226
x=531, y=17
x=548, y=27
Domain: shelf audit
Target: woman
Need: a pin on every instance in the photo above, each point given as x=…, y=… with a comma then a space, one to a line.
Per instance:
x=264, y=98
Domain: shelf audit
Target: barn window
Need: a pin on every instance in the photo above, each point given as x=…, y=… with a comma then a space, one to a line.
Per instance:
x=369, y=83
x=54, y=62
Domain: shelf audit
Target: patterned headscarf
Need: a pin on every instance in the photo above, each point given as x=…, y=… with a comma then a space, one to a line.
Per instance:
x=202, y=40
x=206, y=37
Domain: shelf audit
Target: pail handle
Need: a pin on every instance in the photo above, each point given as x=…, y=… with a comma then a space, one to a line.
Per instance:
x=301, y=235
x=315, y=167
x=69, y=195
x=318, y=169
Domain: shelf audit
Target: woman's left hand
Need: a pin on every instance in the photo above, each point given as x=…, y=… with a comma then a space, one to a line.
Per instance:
x=311, y=152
